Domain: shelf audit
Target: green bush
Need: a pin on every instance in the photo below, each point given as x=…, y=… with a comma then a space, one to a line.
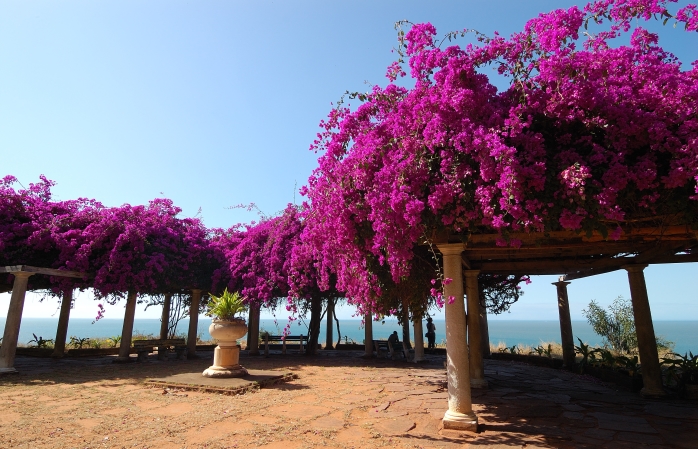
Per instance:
x=617, y=326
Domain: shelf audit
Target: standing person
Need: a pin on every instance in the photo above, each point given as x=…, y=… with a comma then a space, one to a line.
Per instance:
x=431, y=333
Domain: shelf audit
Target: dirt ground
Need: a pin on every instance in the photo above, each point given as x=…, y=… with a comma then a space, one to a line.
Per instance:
x=338, y=401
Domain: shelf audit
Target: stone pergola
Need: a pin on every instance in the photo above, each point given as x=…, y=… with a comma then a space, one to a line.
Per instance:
x=564, y=253
x=14, y=311
x=16, y=307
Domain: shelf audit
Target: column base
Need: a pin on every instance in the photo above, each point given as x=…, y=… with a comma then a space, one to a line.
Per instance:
x=10, y=370
x=652, y=393
x=121, y=359
x=478, y=383
x=420, y=360
x=460, y=421
x=225, y=371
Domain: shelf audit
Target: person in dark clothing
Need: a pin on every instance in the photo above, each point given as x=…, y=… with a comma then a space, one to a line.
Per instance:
x=431, y=334
x=394, y=342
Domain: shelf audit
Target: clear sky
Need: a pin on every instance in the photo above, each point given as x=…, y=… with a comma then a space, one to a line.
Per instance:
x=215, y=103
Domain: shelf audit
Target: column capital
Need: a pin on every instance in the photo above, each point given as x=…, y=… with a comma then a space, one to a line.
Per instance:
x=21, y=274
x=450, y=249
x=471, y=273
x=196, y=291
x=634, y=268
x=561, y=283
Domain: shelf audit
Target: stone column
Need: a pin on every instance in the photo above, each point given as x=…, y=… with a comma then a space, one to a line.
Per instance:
x=460, y=415
x=418, y=339
x=12, y=322
x=477, y=366
x=368, y=336
x=485, y=329
x=62, y=329
x=253, y=332
x=193, y=323
x=127, y=329
x=329, y=344
x=646, y=340
x=165, y=318
x=563, y=306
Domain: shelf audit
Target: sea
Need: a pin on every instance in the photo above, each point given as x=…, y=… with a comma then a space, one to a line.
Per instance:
x=684, y=334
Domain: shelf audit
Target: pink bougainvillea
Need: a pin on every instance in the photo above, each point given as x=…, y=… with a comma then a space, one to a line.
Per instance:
x=585, y=137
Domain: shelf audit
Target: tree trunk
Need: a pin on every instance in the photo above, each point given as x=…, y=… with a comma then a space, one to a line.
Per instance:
x=406, y=329
x=62, y=329
x=314, y=328
x=253, y=332
x=328, y=333
x=165, y=318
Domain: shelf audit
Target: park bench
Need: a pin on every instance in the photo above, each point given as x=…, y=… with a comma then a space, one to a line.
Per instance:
x=145, y=347
x=383, y=345
x=280, y=338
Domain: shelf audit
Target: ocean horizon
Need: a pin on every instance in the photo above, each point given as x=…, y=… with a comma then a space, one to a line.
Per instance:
x=509, y=332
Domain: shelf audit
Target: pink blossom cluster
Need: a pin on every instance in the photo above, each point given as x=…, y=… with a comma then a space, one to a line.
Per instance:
x=144, y=249
x=584, y=138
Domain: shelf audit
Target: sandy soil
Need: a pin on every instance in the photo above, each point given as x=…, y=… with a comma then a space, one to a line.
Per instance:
x=339, y=400
x=98, y=405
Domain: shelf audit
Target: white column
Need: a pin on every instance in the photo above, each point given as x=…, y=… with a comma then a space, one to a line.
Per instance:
x=12, y=322
x=460, y=415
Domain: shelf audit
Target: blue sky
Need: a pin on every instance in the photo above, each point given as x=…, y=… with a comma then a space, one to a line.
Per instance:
x=215, y=103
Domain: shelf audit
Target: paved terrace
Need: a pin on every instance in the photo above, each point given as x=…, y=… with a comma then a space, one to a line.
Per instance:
x=339, y=400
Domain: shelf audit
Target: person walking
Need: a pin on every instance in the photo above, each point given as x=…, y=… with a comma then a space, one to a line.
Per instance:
x=431, y=334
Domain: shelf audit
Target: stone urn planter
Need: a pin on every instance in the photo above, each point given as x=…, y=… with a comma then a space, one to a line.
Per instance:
x=226, y=356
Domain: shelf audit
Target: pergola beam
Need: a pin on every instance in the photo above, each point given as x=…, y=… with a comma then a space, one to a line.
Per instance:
x=41, y=270
x=571, y=266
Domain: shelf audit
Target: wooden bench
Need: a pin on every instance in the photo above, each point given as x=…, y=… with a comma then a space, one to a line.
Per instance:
x=280, y=338
x=145, y=347
x=383, y=345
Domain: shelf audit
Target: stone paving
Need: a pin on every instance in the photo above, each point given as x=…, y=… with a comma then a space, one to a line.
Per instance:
x=341, y=400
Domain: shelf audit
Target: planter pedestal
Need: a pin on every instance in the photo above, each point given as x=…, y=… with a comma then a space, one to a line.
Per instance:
x=226, y=356
x=226, y=363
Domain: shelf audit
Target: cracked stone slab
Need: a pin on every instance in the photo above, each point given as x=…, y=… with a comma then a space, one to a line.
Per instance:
x=395, y=426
